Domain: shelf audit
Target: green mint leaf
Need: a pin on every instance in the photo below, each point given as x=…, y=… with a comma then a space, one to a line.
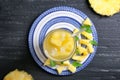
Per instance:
x=87, y=28
x=76, y=38
x=76, y=64
x=93, y=42
x=52, y=63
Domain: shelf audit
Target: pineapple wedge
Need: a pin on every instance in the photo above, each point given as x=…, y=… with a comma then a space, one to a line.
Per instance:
x=60, y=68
x=84, y=41
x=90, y=48
x=67, y=63
x=71, y=68
x=75, y=31
x=87, y=35
x=79, y=58
x=87, y=22
x=47, y=62
x=105, y=7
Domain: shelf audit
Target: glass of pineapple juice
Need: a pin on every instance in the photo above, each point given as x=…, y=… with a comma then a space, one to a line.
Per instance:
x=59, y=45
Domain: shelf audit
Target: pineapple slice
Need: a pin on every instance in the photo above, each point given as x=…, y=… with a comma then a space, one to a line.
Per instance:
x=105, y=7
x=87, y=22
x=18, y=75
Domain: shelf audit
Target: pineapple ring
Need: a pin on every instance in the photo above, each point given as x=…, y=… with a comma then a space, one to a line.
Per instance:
x=105, y=7
x=18, y=75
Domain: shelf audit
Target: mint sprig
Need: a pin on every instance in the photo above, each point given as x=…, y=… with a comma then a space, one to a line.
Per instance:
x=93, y=42
x=76, y=64
x=52, y=63
x=87, y=28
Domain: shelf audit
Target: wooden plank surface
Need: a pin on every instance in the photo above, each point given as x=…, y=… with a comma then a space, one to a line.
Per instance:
x=16, y=17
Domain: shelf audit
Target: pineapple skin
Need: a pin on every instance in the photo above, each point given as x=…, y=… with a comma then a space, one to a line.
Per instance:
x=105, y=7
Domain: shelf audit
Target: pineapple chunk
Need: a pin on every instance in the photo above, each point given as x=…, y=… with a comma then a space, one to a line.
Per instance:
x=67, y=63
x=87, y=22
x=79, y=58
x=60, y=69
x=84, y=41
x=75, y=30
x=87, y=35
x=90, y=48
x=47, y=62
x=71, y=68
x=56, y=40
x=105, y=7
x=85, y=52
x=81, y=49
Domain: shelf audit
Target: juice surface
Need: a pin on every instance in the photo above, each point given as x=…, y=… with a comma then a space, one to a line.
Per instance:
x=59, y=44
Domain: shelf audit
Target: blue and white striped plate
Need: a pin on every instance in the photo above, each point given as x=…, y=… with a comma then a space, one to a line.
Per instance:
x=57, y=17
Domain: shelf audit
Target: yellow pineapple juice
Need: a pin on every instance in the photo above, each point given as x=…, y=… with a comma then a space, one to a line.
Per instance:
x=59, y=45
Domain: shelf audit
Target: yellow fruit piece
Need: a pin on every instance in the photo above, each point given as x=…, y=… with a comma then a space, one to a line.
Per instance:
x=85, y=52
x=47, y=62
x=90, y=48
x=75, y=30
x=81, y=49
x=87, y=35
x=71, y=68
x=87, y=22
x=105, y=7
x=79, y=58
x=84, y=41
x=67, y=63
x=18, y=75
x=56, y=40
x=60, y=69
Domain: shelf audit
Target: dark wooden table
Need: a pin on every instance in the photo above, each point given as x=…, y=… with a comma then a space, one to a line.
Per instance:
x=16, y=17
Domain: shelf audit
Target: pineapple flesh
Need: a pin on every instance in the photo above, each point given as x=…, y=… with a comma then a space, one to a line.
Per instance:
x=18, y=75
x=105, y=7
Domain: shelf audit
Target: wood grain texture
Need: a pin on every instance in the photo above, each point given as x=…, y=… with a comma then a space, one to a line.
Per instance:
x=16, y=17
